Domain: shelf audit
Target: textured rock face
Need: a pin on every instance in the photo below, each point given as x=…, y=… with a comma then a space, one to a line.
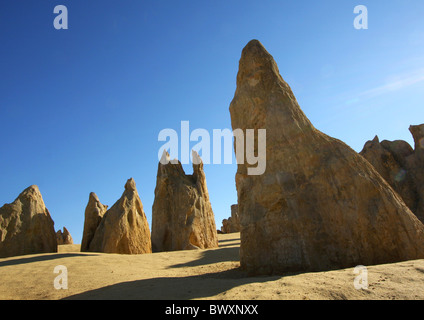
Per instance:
x=26, y=226
x=401, y=166
x=123, y=228
x=94, y=213
x=64, y=237
x=232, y=224
x=182, y=216
x=319, y=205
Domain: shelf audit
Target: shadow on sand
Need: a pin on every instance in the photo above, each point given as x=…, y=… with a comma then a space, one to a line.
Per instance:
x=23, y=259
x=172, y=288
x=180, y=288
x=237, y=239
x=213, y=256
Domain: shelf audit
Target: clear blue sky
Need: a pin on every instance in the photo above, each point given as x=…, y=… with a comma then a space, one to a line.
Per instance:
x=81, y=109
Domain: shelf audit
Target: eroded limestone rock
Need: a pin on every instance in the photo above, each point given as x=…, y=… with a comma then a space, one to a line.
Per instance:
x=182, y=216
x=319, y=205
x=124, y=228
x=26, y=226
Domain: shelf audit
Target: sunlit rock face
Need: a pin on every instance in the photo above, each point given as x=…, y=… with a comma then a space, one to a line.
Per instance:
x=319, y=205
x=124, y=228
x=26, y=226
x=182, y=216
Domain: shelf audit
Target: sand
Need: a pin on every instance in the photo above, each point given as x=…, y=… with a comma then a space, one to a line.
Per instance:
x=201, y=274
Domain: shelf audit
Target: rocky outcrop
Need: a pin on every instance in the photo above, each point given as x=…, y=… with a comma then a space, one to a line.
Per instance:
x=182, y=216
x=94, y=213
x=319, y=205
x=124, y=228
x=64, y=237
x=232, y=224
x=401, y=166
x=26, y=226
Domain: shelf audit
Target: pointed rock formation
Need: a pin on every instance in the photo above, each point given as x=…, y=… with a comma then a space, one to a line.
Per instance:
x=26, y=226
x=401, y=166
x=319, y=205
x=124, y=228
x=182, y=216
x=64, y=237
x=94, y=213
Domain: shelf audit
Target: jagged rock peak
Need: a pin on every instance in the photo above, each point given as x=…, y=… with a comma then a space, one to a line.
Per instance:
x=123, y=229
x=64, y=237
x=182, y=216
x=418, y=135
x=93, y=197
x=31, y=192
x=130, y=185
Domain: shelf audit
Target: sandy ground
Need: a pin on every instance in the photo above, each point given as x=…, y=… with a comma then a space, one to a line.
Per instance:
x=202, y=274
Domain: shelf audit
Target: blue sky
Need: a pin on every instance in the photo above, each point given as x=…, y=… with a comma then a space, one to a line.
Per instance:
x=81, y=109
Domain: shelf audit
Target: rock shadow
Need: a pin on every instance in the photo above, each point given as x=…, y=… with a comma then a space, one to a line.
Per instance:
x=172, y=288
x=213, y=256
x=23, y=259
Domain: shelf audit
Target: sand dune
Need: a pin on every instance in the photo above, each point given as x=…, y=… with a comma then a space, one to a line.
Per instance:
x=202, y=274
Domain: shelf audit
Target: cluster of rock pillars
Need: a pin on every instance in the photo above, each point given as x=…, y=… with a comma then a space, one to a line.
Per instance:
x=318, y=206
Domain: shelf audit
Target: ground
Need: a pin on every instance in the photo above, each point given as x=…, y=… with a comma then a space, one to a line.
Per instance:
x=201, y=274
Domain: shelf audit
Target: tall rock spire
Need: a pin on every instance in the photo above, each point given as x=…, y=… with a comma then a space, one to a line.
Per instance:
x=319, y=205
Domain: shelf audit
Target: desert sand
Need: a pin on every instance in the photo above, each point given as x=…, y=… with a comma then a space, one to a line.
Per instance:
x=198, y=274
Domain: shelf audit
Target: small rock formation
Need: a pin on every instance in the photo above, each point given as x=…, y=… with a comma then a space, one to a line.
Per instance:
x=26, y=226
x=124, y=228
x=225, y=226
x=94, y=213
x=182, y=216
x=319, y=205
x=232, y=224
x=64, y=237
x=401, y=166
